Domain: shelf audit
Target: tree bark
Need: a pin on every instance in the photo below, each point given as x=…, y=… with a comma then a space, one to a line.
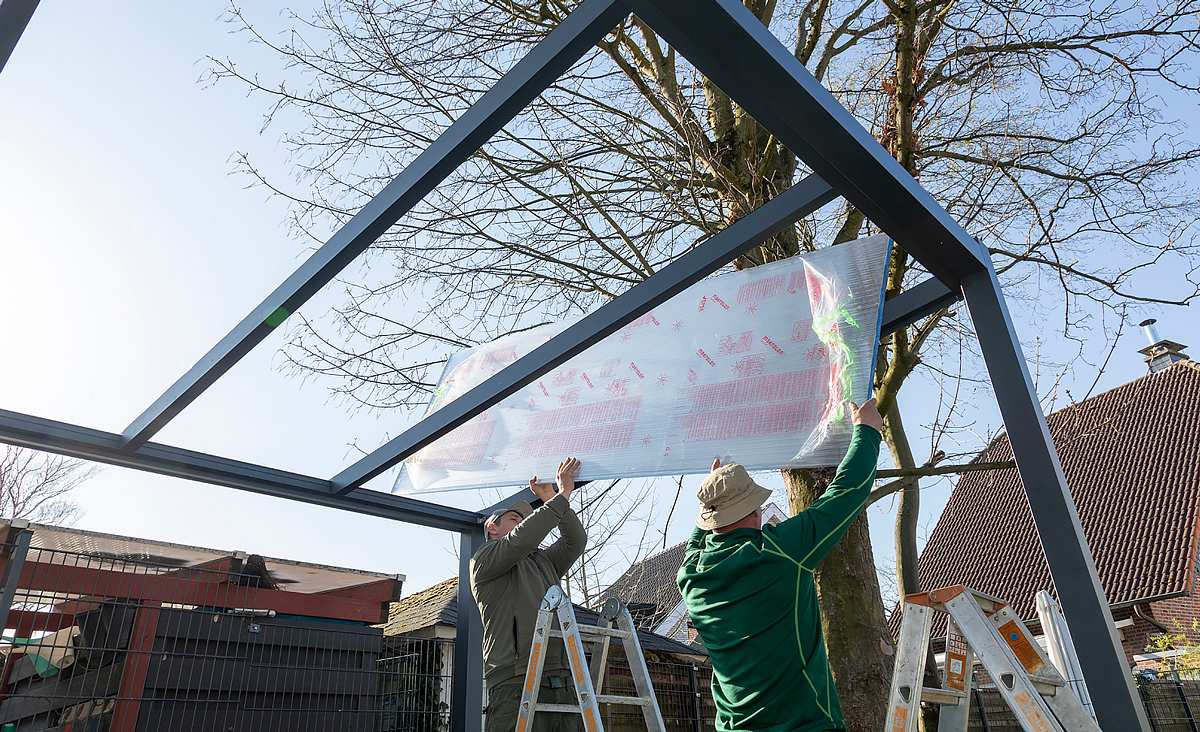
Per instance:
x=910, y=504
x=857, y=640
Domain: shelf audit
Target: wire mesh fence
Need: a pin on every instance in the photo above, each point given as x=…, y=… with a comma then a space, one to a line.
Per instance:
x=116, y=643
x=1171, y=706
x=683, y=692
x=96, y=642
x=415, y=684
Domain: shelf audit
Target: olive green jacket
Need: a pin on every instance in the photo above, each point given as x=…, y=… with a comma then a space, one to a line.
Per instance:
x=509, y=577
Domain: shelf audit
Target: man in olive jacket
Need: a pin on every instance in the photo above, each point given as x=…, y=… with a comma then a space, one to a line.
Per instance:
x=509, y=577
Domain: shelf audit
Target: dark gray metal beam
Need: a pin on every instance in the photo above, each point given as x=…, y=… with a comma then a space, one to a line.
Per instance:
x=733, y=49
x=1109, y=682
x=466, y=693
x=14, y=16
x=540, y=68
x=106, y=447
x=15, y=554
x=922, y=299
x=793, y=204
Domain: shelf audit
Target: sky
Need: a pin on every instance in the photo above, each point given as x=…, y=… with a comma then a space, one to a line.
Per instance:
x=127, y=248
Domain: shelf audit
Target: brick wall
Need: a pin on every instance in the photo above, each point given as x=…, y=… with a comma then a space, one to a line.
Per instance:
x=1183, y=610
x=1134, y=638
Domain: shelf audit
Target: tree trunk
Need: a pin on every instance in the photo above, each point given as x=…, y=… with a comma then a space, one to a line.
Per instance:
x=910, y=504
x=852, y=616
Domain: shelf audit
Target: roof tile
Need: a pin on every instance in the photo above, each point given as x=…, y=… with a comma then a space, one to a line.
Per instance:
x=1131, y=457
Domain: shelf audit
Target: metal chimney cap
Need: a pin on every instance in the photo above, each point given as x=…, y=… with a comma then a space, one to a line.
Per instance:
x=1147, y=321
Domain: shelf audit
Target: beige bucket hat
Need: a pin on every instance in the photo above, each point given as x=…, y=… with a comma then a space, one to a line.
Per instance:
x=728, y=495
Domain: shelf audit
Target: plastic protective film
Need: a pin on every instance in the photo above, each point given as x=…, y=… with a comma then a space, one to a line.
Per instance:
x=752, y=366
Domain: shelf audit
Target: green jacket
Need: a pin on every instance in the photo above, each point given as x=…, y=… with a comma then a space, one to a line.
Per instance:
x=509, y=577
x=751, y=597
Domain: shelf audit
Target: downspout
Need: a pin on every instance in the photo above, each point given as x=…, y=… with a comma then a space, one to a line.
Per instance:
x=1138, y=613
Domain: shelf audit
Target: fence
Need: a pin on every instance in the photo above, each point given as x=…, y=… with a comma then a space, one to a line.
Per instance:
x=1172, y=706
x=415, y=684
x=98, y=641
x=119, y=643
x=683, y=693
x=416, y=678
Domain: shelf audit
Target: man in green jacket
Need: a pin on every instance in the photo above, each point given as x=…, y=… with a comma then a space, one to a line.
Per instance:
x=509, y=577
x=750, y=594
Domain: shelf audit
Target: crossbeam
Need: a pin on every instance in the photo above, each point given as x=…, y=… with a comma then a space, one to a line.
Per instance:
x=106, y=447
x=540, y=68
x=922, y=299
x=795, y=203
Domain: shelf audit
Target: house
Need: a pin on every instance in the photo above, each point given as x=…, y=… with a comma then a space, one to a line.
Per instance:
x=420, y=632
x=1131, y=457
x=648, y=588
x=115, y=632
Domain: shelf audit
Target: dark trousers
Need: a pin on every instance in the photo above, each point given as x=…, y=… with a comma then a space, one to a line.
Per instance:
x=504, y=701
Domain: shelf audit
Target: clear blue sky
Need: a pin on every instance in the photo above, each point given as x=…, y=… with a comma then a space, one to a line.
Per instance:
x=127, y=249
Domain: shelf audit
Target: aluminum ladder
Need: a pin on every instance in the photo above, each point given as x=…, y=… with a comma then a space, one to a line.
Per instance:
x=985, y=628
x=588, y=680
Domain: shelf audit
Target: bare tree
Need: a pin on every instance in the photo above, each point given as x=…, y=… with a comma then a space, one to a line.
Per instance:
x=1044, y=126
x=37, y=485
x=620, y=532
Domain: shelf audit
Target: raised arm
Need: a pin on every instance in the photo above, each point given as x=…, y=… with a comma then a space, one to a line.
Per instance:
x=571, y=536
x=500, y=555
x=808, y=536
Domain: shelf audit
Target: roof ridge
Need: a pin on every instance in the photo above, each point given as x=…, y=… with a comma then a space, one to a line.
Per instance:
x=1149, y=374
x=1002, y=436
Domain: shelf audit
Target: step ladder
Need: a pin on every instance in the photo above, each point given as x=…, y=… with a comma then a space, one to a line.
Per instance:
x=588, y=679
x=985, y=628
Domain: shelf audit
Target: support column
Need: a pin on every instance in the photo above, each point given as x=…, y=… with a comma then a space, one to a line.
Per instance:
x=1117, y=704
x=466, y=692
x=136, y=667
x=15, y=550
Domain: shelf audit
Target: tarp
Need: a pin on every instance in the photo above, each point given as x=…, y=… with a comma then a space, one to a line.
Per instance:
x=751, y=366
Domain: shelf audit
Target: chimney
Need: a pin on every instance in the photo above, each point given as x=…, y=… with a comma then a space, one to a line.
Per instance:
x=1161, y=353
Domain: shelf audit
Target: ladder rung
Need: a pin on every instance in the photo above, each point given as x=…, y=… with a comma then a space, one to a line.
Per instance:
x=942, y=696
x=631, y=700
x=593, y=630
x=1046, y=681
x=988, y=603
x=565, y=708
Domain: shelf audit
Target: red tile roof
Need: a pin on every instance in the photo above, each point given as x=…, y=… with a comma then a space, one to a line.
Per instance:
x=1132, y=459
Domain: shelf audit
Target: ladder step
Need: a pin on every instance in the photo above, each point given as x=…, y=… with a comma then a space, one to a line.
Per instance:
x=1050, y=682
x=565, y=708
x=988, y=603
x=593, y=630
x=949, y=697
x=636, y=701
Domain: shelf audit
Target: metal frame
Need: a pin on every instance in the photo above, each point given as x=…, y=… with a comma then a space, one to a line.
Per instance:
x=780, y=93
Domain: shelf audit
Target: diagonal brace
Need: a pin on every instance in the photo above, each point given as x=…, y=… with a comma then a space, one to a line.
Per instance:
x=922, y=299
x=565, y=45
